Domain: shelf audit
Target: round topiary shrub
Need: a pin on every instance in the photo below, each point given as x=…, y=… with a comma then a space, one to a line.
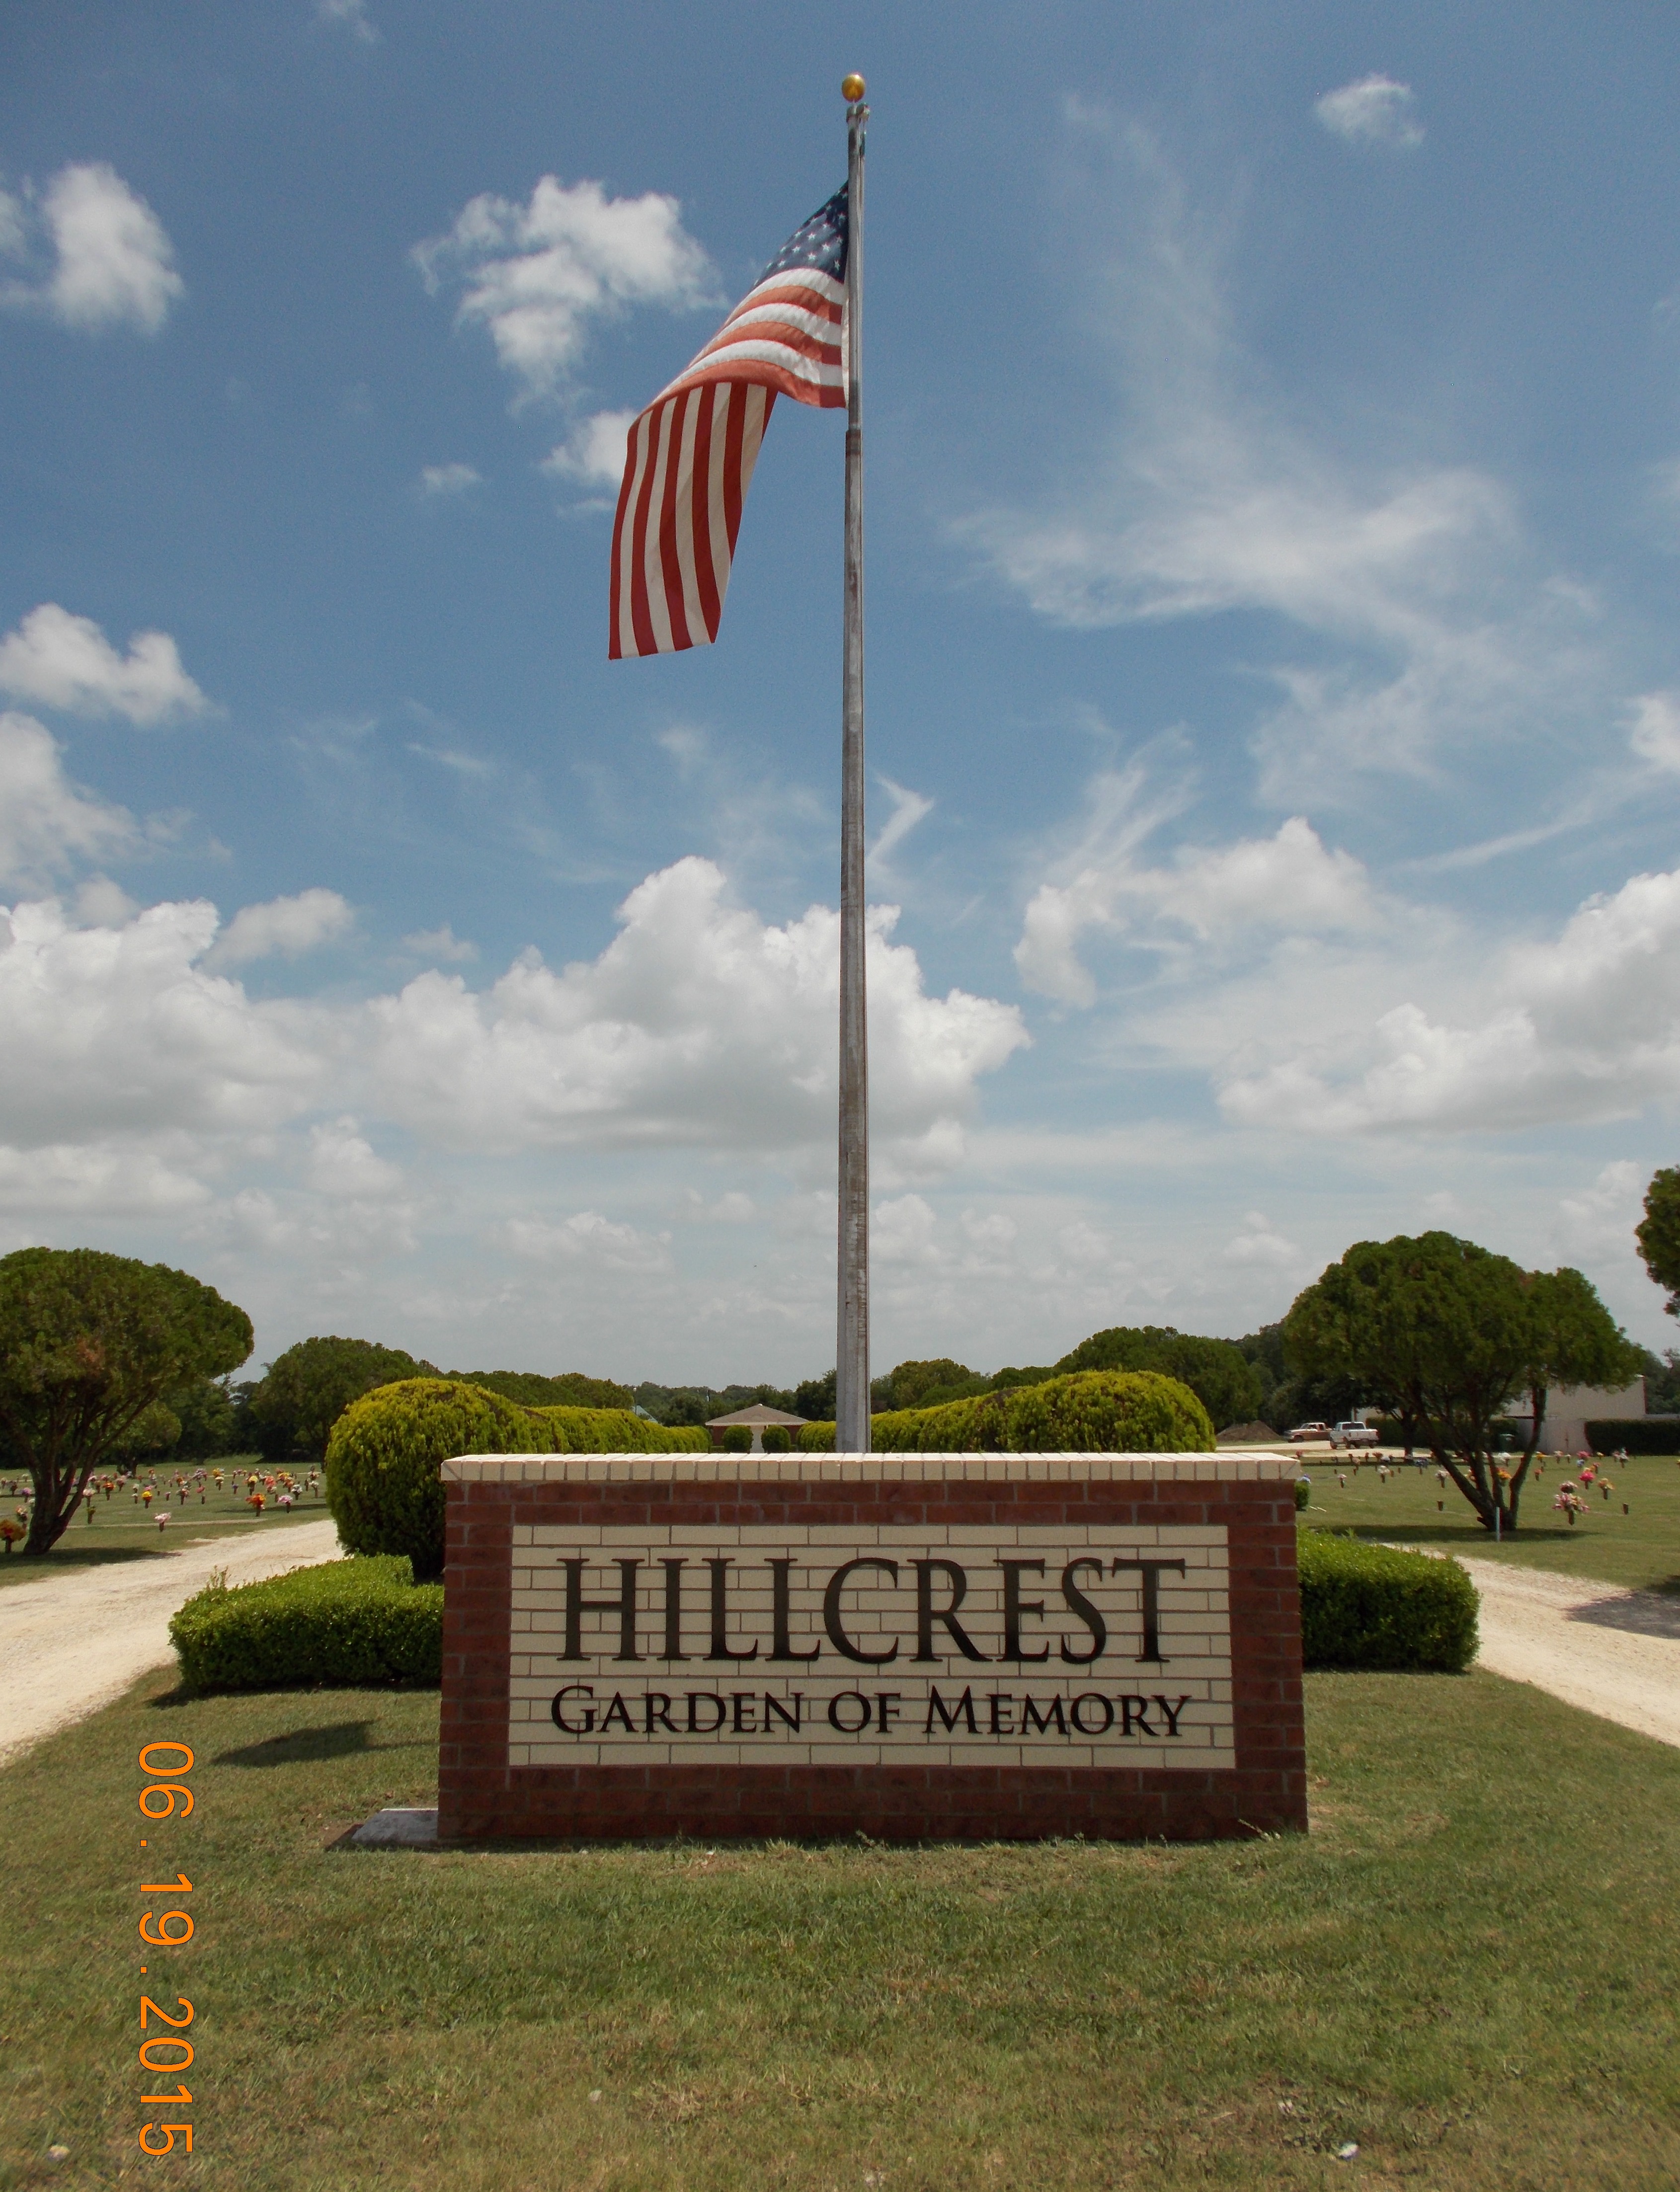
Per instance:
x=776, y=1440
x=383, y=1485
x=1107, y=1411
x=737, y=1439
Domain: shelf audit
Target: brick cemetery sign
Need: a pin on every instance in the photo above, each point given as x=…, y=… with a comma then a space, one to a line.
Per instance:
x=911, y=1647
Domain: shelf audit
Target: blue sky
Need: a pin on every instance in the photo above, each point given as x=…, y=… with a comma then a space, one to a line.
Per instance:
x=1273, y=441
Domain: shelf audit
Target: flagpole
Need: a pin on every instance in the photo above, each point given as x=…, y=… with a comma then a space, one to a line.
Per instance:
x=852, y=1428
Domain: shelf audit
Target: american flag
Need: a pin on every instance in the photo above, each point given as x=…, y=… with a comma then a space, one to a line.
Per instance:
x=690, y=455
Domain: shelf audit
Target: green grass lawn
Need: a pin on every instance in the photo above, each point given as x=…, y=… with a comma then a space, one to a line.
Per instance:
x=1467, y=1969
x=1641, y=1547
x=124, y=1529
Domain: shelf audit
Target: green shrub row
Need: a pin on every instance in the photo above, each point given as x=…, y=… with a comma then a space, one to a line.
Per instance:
x=1640, y=1434
x=1091, y=1412
x=1375, y=1608
x=383, y=1485
x=364, y=1623
x=618, y=1430
x=360, y=1623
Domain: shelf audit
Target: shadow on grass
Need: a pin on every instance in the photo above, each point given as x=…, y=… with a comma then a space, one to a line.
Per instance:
x=34, y=1567
x=299, y=1746
x=1458, y=1537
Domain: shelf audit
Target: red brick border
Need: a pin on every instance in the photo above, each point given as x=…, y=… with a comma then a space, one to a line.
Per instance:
x=482, y=1797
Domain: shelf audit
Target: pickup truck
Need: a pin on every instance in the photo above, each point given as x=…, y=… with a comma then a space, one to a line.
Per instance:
x=1353, y=1434
x=1303, y=1434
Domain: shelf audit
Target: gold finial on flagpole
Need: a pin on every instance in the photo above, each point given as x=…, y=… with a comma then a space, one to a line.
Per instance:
x=852, y=89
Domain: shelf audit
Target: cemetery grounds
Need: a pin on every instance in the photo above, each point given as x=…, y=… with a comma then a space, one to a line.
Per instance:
x=1466, y=1970
x=120, y=1524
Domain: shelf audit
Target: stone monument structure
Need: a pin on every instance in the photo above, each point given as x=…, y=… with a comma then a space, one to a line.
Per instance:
x=910, y=1647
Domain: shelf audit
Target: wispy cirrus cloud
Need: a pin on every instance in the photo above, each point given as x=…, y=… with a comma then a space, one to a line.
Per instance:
x=1654, y=732
x=351, y=16
x=449, y=480
x=910, y=808
x=1418, y=614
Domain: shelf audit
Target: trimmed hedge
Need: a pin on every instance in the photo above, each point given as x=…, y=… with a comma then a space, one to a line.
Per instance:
x=1091, y=1412
x=619, y=1430
x=347, y=1623
x=383, y=1485
x=1637, y=1433
x=1371, y=1607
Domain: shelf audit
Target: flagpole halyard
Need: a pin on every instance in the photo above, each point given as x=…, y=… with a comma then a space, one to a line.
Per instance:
x=852, y=1425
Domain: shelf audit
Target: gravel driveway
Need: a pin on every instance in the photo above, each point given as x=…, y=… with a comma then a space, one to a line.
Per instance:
x=1611, y=1651
x=72, y=1643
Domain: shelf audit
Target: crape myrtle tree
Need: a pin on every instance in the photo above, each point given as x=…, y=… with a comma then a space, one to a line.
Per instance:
x=1658, y=1234
x=1448, y=1331
x=90, y=1344
x=1578, y=1342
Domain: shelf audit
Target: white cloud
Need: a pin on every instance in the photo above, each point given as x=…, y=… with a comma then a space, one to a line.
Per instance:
x=1584, y=1028
x=1259, y=1243
x=541, y=275
x=114, y=264
x=121, y=1031
x=45, y=820
x=1375, y=111
x=589, y=1238
x=350, y=15
x=733, y=1208
x=448, y=479
x=1290, y=883
x=57, y=660
x=902, y=1232
x=1655, y=732
x=698, y=1024
x=110, y=1178
x=991, y=1230
x=101, y=903
x=341, y=1163
x=1595, y=1226
x=593, y=453
x=287, y=925
x=440, y=944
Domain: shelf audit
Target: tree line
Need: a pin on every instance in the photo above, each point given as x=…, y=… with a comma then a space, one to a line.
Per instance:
x=105, y=1360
